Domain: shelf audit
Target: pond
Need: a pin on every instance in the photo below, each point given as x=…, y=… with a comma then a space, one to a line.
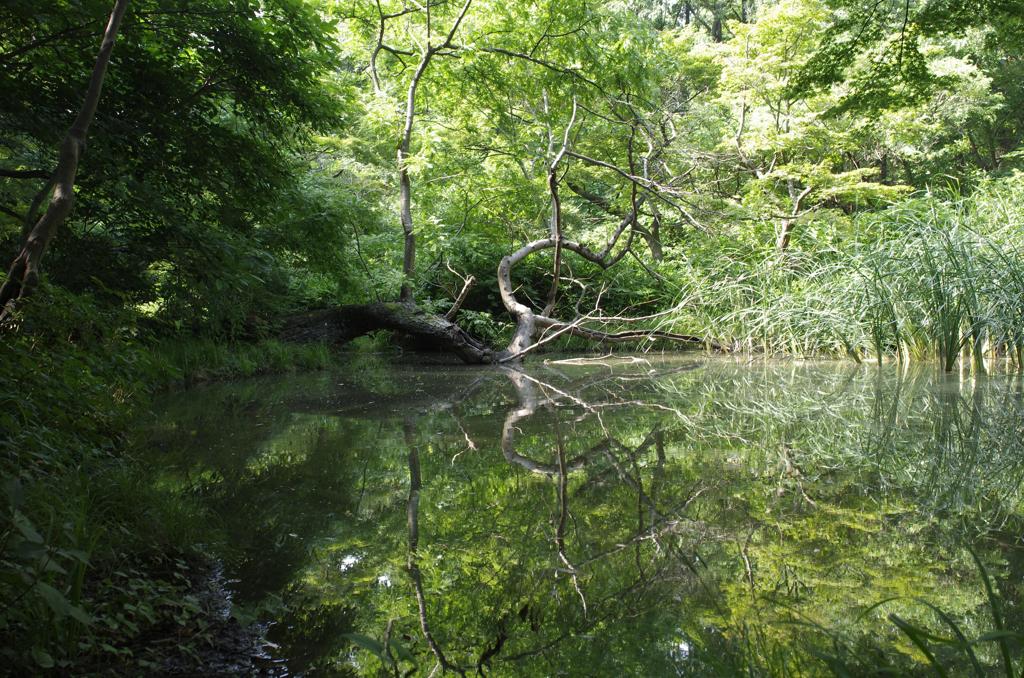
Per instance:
x=649, y=516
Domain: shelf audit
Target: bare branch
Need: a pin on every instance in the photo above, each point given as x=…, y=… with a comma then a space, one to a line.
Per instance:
x=635, y=335
x=592, y=198
x=11, y=213
x=556, y=213
x=467, y=285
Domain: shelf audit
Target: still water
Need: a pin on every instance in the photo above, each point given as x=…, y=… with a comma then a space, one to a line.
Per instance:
x=650, y=516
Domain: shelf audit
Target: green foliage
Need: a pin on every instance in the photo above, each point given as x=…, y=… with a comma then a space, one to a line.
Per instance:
x=891, y=41
x=482, y=324
x=225, y=188
x=71, y=509
x=193, y=200
x=178, y=362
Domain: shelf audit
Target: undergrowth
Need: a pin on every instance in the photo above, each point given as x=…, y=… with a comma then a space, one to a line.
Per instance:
x=98, y=568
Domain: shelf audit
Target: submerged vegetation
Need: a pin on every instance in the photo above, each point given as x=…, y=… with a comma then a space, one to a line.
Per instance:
x=198, y=190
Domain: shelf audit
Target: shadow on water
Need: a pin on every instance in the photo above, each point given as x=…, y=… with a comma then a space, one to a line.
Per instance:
x=672, y=516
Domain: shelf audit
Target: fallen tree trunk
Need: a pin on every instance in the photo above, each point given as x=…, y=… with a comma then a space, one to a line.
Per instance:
x=341, y=325
x=345, y=323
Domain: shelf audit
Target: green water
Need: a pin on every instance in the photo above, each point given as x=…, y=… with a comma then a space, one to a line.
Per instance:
x=658, y=517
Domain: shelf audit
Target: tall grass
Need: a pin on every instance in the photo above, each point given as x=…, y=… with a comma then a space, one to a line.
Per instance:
x=930, y=278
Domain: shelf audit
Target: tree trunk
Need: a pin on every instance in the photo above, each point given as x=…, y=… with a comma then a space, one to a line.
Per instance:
x=343, y=324
x=786, y=225
x=405, y=189
x=23, y=275
x=785, y=234
x=340, y=325
x=404, y=185
x=653, y=238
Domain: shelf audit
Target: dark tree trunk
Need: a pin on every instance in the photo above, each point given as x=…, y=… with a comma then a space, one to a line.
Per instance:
x=23, y=275
x=345, y=323
x=653, y=238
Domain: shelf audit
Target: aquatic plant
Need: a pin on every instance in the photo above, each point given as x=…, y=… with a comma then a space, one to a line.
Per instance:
x=934, y=277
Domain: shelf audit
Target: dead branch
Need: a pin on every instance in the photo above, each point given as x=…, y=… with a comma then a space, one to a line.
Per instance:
x=467, y=285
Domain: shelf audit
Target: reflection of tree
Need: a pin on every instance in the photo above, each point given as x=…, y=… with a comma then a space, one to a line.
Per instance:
x=525, y=628
x=412, y=563
x=563, y=514
x=642, y=520
x=528, y=404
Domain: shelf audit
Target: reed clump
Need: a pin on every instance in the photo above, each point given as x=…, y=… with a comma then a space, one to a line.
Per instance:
x=933, y=277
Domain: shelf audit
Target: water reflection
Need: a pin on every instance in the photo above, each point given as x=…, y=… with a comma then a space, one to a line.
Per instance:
x=658, y=517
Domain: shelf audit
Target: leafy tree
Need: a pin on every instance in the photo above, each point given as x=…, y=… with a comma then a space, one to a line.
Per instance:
x=204, y=107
